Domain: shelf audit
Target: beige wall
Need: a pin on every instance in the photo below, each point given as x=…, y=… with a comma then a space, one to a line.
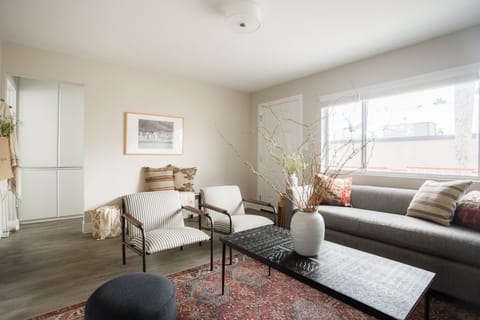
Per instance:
x=457, y=49
x=2, y=80
x=111, y=90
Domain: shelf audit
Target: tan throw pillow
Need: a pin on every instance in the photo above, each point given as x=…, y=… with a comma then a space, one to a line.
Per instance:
x=436, y=201
x=159, y=179
x=183, y=178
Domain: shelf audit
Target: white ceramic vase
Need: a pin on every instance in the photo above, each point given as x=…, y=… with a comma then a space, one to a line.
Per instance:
x=293, y=180
x=308, y=231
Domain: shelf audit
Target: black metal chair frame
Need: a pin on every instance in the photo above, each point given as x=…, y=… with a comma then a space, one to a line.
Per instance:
x=128, y=218
x=225, y=212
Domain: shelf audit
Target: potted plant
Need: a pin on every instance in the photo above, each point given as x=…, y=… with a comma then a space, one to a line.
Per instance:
x=7, y=127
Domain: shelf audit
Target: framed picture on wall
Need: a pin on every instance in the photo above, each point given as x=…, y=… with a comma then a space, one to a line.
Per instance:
x=153, y=134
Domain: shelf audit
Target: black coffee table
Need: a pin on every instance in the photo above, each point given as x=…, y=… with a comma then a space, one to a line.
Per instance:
x=378, y=286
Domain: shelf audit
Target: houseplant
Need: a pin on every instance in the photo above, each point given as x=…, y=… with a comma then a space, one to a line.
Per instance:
x=7, y=126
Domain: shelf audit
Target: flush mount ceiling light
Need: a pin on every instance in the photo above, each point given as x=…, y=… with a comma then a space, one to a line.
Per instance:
x=243, y=16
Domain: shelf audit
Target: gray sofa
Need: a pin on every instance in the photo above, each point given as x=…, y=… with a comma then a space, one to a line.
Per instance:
x=377, y=223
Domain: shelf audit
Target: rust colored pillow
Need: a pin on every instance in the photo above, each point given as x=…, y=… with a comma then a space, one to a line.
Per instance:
x=339, y=191
x=468, y=210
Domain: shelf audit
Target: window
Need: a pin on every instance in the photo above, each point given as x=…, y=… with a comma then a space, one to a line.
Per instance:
x=432, y=131
x=343, y=126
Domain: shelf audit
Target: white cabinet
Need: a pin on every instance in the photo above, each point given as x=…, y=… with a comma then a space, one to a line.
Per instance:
x=70, y=125
x=39, y=194
x=70, y=192
x=38, y=115
x=51, y=147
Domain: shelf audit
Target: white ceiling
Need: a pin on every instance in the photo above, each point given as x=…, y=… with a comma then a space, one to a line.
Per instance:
x=189, y=37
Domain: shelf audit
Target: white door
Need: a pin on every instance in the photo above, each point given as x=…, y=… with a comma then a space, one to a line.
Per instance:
x=280, y=120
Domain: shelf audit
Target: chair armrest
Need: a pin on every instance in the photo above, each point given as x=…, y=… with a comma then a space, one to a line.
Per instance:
x=195, y=210
x=212, y=207
x=259, y=202
x=133, y=220
x=223, y=211
x=262, y=203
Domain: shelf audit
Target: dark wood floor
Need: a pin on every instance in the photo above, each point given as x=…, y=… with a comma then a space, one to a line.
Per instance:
x=46, y=266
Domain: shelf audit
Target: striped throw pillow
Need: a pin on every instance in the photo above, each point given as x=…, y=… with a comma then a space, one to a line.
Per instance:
x=159, y=179
x=436, y=201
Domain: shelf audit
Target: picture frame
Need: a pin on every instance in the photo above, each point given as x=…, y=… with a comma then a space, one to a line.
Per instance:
x=153, y=134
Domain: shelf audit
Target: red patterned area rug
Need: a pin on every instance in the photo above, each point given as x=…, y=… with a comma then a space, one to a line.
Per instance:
x=252, y=294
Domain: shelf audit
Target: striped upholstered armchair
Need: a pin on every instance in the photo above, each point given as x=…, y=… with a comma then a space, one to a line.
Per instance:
x=153, y=222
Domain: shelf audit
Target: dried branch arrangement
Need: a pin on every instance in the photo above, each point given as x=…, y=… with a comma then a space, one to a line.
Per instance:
x=308, y=161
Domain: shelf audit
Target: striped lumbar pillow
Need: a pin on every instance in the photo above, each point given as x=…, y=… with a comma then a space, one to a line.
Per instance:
x=436, y=201
x=159, y=179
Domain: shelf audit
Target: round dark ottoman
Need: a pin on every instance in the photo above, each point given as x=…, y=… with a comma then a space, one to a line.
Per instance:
x=141, y=296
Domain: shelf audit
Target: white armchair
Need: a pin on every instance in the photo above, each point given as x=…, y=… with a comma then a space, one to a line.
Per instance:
x=225, y=206
x=153, y=222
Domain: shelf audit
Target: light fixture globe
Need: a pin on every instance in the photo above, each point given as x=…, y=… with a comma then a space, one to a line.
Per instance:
x=243, y=16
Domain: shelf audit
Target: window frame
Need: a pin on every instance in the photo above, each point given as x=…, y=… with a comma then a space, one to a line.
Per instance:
x=422, y=82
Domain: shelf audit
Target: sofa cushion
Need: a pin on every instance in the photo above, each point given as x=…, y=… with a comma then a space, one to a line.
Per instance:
x=392, y=200
x=454, y=243
x=436, y=201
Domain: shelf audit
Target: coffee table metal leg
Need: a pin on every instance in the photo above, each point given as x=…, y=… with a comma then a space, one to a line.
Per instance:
x=223, y=268
x=426, y=307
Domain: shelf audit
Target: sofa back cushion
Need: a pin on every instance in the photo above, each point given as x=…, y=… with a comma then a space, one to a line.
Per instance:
x=392, y=200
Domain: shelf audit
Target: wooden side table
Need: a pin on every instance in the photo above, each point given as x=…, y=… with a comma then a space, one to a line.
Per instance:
x=281, y=211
